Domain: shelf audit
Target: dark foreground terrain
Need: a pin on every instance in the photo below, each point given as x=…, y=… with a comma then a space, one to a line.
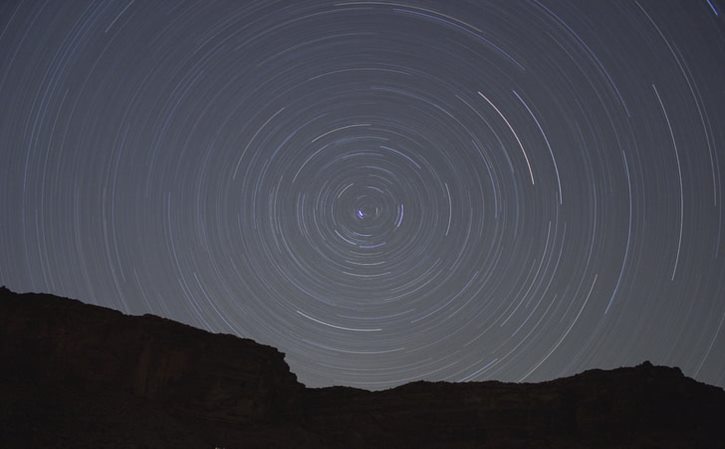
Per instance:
x=80, y=376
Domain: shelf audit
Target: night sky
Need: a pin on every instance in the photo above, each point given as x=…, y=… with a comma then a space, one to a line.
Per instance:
x=385, y=191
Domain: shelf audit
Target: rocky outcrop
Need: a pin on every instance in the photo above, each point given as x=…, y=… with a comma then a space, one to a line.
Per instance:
x=58, y=353
x=81, y=376
x=640, y=407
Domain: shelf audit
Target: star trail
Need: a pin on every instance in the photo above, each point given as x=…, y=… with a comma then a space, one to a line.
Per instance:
x=386, y=191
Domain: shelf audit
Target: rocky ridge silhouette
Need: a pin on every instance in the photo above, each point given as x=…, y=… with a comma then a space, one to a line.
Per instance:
x=81, y=376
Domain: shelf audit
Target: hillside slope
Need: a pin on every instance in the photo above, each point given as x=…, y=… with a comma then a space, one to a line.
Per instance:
x=82, y=376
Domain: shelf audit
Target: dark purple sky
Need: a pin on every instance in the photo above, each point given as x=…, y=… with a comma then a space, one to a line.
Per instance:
x=386, y=191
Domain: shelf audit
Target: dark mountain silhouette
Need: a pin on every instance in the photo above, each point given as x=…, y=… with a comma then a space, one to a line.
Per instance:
x=81, y=376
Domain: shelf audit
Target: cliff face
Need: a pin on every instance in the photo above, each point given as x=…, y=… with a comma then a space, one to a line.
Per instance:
x=640, y=407
x=59, y=354
x=75, y=375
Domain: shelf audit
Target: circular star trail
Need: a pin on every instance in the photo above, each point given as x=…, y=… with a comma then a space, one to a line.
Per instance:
x=385, y=191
